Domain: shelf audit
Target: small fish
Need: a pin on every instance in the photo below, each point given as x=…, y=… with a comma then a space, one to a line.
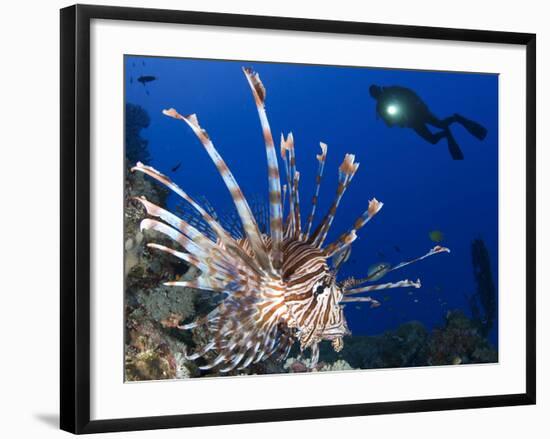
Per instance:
x=397, y=249
x=410, y=293
x=381, y=255
x=457, y=361
x=375, y=304
x=146, y=78
x=175, y=168
x=415, y=300
x=386, y=298
x=131, y=79
x=436, y=235
x=378, y=271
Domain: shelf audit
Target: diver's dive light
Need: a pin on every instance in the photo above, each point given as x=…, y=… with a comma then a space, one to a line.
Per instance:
x=392, y=109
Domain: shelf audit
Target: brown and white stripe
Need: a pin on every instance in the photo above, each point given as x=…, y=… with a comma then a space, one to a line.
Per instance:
x=347, y=170
x=247, y=218
x=321, y=158
x=275, y=206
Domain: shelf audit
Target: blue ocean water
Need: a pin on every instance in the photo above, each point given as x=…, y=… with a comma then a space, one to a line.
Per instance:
x=422, y=188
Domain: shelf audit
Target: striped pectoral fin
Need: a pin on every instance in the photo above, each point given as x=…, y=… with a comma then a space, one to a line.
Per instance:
x=250, y=225
x=401, y=284
x=201, y=283
x=176, y=222
x=233, y=363
x=213, y=257
x=201, y=352
x=350, y=283
x=201, y=321
x=218, y=360
x=224, y=238
x=434, y=251
x=374, y=303
x=185, y=242
x=209, y=269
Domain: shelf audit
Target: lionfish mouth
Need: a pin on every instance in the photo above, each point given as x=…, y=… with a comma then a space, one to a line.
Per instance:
x=280, y=286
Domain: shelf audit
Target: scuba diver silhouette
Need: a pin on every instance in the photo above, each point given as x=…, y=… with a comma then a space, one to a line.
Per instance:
x=402, y=107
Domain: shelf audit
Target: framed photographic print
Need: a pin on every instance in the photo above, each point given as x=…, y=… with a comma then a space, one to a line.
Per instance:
x=268, y=218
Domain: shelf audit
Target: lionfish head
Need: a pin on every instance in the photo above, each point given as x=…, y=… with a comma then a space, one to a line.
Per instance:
x=329, y=322
x=313, y=299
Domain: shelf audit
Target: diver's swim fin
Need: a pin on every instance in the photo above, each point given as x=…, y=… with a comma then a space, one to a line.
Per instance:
x=454, y=149
x=475, y=129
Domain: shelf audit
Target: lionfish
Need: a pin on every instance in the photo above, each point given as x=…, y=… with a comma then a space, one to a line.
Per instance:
x=278, y=287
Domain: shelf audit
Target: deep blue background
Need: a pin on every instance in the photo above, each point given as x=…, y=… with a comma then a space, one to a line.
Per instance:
x=421, y=187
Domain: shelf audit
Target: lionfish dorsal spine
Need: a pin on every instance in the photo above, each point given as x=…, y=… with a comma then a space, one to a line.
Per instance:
x=348, y=237
x=249, y=223
x=347, y=170
x=286, y=144
x=321, y=158
x=275, y=205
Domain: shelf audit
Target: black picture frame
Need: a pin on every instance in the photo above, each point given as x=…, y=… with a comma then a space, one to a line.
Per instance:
x=75, y=217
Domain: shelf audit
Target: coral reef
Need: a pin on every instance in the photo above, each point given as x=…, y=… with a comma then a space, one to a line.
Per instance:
x=295, y=365
x=148, y=356
x=169, y=306
x=458, y=341
x=154, y=349
x=404, y=346
x=136, y=119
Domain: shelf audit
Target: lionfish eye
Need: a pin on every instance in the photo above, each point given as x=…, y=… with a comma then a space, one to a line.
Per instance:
x=319, y=290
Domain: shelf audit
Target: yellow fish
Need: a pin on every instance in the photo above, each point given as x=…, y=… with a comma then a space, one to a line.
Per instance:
x=436, y=235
